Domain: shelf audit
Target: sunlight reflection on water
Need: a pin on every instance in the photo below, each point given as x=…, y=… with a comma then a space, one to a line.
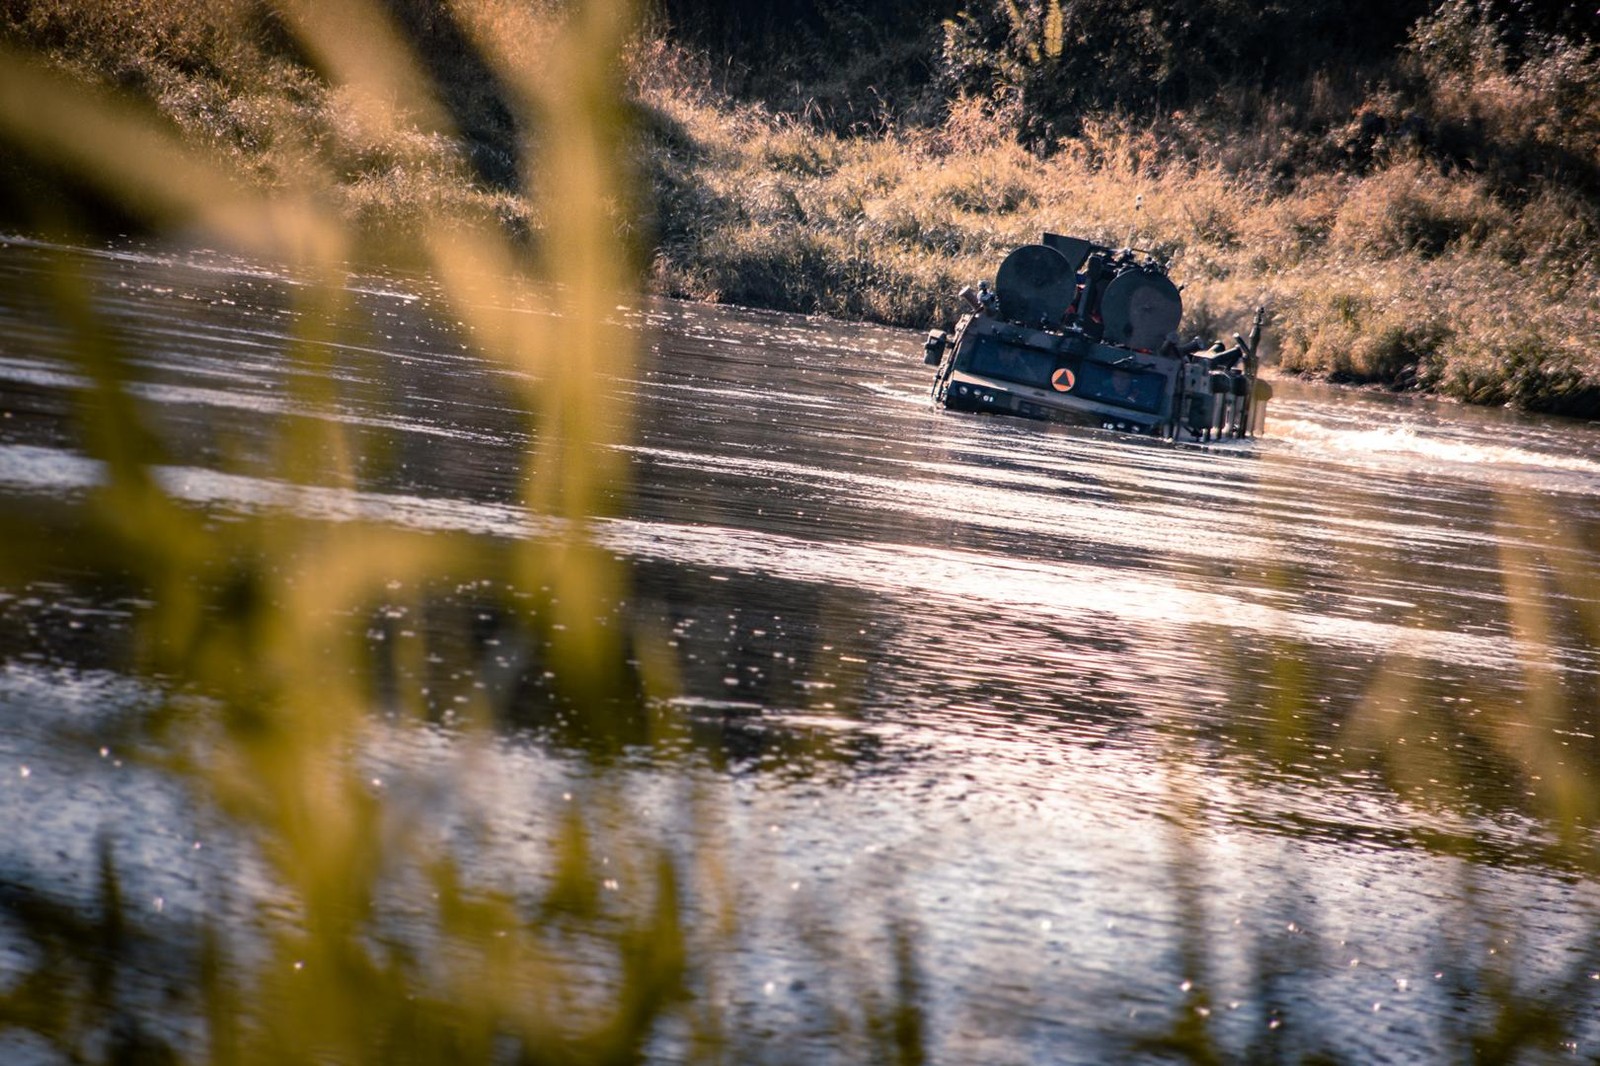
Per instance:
x=1027, y=687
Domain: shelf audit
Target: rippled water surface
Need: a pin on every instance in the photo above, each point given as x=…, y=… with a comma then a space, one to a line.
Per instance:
x=1289, y=742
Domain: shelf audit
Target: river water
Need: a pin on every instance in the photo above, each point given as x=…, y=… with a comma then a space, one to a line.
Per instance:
x=1270, y=750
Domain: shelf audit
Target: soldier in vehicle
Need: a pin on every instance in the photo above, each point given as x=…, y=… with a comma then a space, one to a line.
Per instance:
x=988, y=303
x=1121, y=384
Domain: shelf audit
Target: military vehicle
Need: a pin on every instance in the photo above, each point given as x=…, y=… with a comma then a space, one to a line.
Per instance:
x=1080, y=332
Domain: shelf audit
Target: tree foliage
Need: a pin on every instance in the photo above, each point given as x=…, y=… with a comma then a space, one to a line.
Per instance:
x=1061, y=60
x=1137, y=55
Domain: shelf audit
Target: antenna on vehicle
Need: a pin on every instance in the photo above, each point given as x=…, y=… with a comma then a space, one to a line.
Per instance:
x=1133, y=227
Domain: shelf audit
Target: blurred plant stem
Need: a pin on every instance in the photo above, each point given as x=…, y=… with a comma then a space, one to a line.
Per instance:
x=250, y=629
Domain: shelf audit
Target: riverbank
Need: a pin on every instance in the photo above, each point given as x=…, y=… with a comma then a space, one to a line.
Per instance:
x=1398, y=273
x=1440, y=236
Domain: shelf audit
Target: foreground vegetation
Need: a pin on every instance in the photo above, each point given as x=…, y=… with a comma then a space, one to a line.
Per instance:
x=1427, y=218
x=252, y=633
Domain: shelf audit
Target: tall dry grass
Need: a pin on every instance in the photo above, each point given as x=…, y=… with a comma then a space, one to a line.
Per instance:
x=1440, y=235
x=1407, y=270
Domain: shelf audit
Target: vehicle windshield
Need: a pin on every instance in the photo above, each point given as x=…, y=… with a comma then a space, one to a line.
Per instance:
x=994, y=358
x=1136, y=389
x=1142, y=390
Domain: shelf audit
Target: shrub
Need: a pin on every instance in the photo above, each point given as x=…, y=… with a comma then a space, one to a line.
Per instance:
x=1410, y=208
x=1352, y=334
x=794, y=149
x=1066, y=61
x=1525, y=367
x=1504, y=93
x=980, y=190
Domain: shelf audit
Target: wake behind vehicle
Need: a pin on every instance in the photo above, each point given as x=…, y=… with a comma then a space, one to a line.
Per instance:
x=1080, y=332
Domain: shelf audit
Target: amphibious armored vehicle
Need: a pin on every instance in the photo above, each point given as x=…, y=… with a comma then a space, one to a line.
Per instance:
x=1080, y=332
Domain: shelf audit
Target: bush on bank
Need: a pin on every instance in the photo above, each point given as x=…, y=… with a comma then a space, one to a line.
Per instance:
x=1427, y=218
